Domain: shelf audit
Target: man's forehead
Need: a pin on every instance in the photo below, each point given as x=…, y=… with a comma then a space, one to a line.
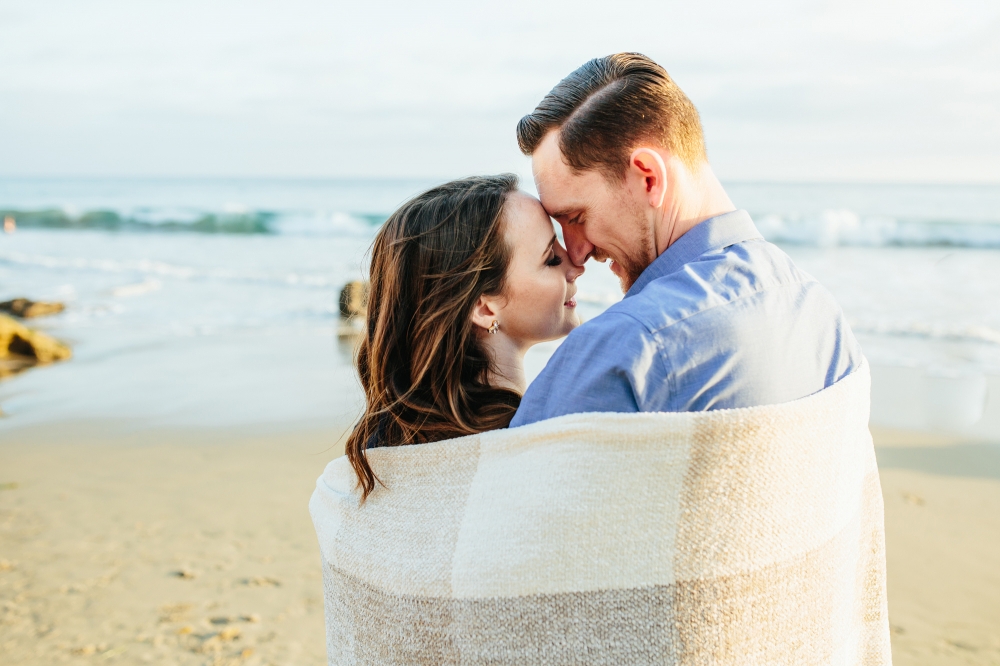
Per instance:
x=547, y=159
x=556, y=182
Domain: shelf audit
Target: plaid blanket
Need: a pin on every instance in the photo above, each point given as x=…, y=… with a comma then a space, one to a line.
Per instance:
x=745, y=536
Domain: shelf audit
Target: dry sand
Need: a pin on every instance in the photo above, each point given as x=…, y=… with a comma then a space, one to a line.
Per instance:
x=942, y=515
x=195, y=547
x=165, y=547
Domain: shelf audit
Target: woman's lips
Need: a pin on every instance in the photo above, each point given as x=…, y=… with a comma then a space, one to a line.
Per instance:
x=571, y=301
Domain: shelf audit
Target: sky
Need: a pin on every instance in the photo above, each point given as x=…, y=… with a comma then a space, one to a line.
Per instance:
x=854, y=91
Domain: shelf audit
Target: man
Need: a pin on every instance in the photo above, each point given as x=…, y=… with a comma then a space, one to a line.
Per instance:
x=714, y=316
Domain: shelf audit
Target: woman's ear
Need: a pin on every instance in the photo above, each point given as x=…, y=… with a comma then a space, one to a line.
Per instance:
x=485, y=312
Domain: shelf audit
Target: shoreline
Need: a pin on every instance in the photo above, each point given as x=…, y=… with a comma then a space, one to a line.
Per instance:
x=130, y=544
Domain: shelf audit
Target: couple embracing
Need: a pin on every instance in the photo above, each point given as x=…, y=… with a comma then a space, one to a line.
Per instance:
x=689, y=480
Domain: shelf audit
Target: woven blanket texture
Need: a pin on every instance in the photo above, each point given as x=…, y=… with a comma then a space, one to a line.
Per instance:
x=743, y=536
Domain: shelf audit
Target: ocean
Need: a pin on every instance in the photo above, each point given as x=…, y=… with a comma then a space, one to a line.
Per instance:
x=213, y=302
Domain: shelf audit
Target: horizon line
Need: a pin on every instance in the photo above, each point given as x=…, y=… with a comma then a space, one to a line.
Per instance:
x=440, y=179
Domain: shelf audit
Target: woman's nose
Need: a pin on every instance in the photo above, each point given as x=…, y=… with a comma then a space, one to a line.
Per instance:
x=574, y=272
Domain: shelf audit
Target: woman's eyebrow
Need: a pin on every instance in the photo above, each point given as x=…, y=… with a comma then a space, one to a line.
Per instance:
x=549, y=246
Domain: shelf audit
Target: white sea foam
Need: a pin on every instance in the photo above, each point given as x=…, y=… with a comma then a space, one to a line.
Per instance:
x=835, y=227
x=129, y=290
x=930, y=331
x=163, y=269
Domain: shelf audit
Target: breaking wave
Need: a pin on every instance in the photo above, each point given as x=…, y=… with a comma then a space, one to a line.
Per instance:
x=833, y=228
x=829, y=228
x=196, y=221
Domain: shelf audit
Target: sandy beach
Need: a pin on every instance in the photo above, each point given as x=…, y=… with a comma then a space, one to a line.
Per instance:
x=942, y=538
x=165, y=547
x=129, y=545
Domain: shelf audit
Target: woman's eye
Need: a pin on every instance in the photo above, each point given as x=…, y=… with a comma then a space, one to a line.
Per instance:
x=554, y=261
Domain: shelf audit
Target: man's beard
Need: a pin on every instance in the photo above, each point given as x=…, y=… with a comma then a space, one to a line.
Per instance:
x=630, y=267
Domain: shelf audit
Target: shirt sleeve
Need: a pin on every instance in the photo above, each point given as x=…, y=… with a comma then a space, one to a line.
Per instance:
x=594, y=370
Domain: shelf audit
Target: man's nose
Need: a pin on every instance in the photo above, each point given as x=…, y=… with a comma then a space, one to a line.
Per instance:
x=577, y=246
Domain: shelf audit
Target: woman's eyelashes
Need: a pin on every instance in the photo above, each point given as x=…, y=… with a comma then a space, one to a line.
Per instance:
x=554, y=260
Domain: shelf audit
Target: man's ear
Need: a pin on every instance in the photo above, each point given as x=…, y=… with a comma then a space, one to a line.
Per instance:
x=485, y=312
x=647, y=166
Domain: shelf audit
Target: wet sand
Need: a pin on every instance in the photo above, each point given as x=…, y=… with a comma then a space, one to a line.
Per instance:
x=195, y=546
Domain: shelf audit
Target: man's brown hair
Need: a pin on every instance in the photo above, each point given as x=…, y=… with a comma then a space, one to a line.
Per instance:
x=607, y=107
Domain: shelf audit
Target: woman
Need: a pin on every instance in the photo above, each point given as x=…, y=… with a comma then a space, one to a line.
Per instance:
x=464, y=279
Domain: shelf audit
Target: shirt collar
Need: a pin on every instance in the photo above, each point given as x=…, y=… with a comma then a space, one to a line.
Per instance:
x=709, y=235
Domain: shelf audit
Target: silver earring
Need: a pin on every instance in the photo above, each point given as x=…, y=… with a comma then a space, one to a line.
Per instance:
x=494, y=327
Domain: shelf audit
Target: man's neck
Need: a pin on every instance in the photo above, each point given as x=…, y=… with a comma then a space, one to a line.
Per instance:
x=692, y=198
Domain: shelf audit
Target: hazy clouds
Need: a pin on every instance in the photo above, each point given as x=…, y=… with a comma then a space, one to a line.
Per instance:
x=850, y=90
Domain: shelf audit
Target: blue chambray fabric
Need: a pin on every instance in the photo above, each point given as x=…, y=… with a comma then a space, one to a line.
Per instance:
x=721, y=319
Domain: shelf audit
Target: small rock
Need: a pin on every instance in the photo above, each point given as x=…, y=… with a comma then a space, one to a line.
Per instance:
x=21, y=347
x=22, y=307
x=354, y=299
x=913, y=499
x=252, y=618
x=185, y=574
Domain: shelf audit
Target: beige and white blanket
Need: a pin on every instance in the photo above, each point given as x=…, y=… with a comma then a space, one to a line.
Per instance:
x=747, y=536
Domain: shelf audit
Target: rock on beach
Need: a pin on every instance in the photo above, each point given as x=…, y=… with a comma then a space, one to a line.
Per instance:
x=24, y=308
x=353, y=306
x=22, y=347
x=354, y=299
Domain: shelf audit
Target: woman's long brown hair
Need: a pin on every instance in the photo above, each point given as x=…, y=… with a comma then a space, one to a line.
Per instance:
x=423, y=366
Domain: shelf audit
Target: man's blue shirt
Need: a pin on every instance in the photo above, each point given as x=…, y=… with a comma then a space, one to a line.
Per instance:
x=721, y=319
